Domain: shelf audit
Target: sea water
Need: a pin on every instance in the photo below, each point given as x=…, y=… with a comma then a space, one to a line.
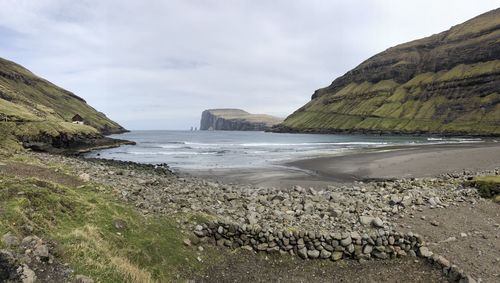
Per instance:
x=234, y=149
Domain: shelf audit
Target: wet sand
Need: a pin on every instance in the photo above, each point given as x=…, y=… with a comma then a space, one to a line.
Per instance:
x=405, y=162
x=376, y=163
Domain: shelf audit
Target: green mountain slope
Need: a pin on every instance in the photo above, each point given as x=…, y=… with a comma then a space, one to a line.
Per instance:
x=448, y=83
x=34, y=110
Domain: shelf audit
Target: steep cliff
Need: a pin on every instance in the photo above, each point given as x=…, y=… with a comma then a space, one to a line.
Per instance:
x=448, y=83
x=236, y=120
x=35, y=111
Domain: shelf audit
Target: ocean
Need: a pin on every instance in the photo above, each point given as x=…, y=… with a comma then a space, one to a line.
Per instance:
x=201, y=150
x=232, y=149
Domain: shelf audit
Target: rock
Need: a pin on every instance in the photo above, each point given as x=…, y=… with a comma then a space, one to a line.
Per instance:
x=377, y=222
x=368, y=249
x=186, y=242
x=262, y=247
x=27, y=275
x=325, y=254
x=313, y=253
x=463, y=235
x=84, y=177
x=496, y=199
x=10, y=240
x=198, y=228
x=355, y=236
x=432, y=201
x=468, y=279
x=337, y=256
x=443, y=261
x=380, y=255
x=395, y=199
x=8, y=265
x=346, y=242
x=450, y=239
x=252, y=218
x=120, y=224
x=434, y=223
x=236, y=120
x=42, y=251
x=302, y=253
x=200, y=248
x=365, y=220
x=83, y=279
x=424, y=252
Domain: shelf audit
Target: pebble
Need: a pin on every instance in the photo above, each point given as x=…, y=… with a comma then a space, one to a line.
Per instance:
x=377, y=222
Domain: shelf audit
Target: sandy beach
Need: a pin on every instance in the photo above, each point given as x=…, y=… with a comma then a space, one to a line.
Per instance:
x=376, y=163
x=405, y=162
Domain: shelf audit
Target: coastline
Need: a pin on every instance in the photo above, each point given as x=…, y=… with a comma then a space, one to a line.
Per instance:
x=413, y=161
x=381, y=163
x=347, y=211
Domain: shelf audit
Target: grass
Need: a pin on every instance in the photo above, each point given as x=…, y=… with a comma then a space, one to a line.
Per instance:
x=80, y=219
x=488, y=186
x=31, y=98
x=407, y=108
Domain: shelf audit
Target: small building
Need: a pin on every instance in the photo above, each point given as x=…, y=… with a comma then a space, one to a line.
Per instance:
x=77, y=119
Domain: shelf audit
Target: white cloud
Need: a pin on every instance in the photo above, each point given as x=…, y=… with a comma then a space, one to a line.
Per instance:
x=157, y=64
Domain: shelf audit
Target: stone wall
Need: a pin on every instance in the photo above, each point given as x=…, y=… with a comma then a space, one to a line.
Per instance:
x=379, y=244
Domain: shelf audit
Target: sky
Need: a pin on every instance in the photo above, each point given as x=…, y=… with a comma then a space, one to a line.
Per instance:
x=157, y=64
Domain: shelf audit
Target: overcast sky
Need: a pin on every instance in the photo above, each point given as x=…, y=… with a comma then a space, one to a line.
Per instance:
x=158, y=64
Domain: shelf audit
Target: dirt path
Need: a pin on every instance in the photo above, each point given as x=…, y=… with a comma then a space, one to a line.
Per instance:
x=477, y=251
x=251, y=267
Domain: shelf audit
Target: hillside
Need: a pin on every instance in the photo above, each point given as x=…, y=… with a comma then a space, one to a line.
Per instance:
x=33, y=110
x=236, y=120
x=448, y=83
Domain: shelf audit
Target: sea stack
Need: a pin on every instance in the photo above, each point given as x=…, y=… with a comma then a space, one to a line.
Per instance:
x=236, y=120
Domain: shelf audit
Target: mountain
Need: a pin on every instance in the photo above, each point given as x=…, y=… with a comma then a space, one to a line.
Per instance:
x=447, y=83
x=236, y=120
x=35, y=111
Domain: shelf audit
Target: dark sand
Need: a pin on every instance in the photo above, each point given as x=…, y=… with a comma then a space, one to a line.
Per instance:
x=376, y=163
x=405, y=162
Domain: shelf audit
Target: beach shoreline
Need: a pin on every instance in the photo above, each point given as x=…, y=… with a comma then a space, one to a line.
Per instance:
x=381, y=163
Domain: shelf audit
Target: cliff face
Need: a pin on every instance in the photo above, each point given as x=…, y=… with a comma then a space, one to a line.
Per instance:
x=33, y=110
x=448, y=83
x=236, y=120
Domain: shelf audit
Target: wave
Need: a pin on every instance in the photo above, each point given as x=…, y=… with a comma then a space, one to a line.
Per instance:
x=454, y=139
x=170, y=153
x=257, y=144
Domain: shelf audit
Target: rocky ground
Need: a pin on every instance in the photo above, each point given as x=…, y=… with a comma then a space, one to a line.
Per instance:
x=423, y=206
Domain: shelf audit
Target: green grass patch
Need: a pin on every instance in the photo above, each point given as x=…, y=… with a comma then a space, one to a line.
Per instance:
x=80, y=220
x=488, y=186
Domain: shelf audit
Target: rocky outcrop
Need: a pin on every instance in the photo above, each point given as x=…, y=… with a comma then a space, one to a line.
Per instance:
x=447, y=83
x=236, y=120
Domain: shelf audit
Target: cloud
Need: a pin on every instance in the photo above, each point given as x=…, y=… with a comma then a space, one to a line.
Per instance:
x=158, y=64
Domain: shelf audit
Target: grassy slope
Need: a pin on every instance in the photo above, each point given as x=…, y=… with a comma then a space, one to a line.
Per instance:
x=79, y=217
x=37, y=107
x=411, y=106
